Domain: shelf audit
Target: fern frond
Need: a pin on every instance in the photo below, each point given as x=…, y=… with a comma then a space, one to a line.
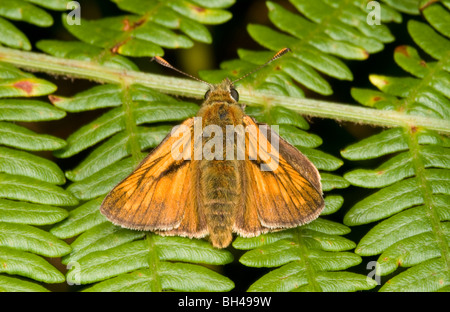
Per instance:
x=28, y=12
x=413, y=201
x=307, y=259
x=153, y=252
x=150, y=26
x=125, y=251
x=77, y=50
x=28, y=185
x=146, y=109
x=327, y=32
x=406, y=6
x=306, y=256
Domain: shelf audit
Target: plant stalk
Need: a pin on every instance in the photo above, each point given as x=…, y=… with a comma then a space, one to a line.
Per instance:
x=315, y=108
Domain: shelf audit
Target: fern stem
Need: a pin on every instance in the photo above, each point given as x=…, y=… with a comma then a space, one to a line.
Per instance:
x=310, y=272
x=153, y=264
x=130, y=125
x=427, y=194
x=314, y=108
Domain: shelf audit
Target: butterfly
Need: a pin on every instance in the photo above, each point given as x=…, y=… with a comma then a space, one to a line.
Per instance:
x=199, y=183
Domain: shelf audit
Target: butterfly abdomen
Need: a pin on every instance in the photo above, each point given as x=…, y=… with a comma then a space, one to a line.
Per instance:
x=220, y=195
x=220, y=180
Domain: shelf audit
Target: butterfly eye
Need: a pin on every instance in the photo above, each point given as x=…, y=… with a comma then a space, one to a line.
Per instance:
x=234, y=94
x=207, y=94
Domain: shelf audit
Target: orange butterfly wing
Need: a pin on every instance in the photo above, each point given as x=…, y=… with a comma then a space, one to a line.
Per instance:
x=159, y=194
x=286, y=194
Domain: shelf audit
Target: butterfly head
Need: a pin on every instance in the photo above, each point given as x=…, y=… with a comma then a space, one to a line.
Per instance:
x=224, y=91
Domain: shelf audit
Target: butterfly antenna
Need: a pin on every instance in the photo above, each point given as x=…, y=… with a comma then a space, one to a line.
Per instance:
x=276, y=56
x=163, y=62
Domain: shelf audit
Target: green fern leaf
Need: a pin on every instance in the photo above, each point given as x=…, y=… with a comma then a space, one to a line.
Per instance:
x=107, y=95
x=407, y=223
x=24, y=11
x=316, y=40
x=80, y=219
x=411, y=251
x=173, y=276
x=100, y=265
x=304, y=255
x=103, y=181
x=21, y=137
x=28, y=185
x=82, y=51
x=13, y=37
x=406, y=6
x=26, y=264
x=29, y=189
x=399, y=167
x=28, y=213
x=401, y=195
x=28, y=110
x=12, y=284
x=439, y=18
x=412, y=203
x=332, y=204
x=112, y=122
x=103, y=236
x=25, y=87
x=308, y=272
x=28, y=238
x=430, y=275
x=21, y=163
x=57, y=5
x=147, y=32
x=28, y=12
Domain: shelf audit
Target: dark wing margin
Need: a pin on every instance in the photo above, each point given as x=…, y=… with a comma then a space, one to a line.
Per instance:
x=282, y=186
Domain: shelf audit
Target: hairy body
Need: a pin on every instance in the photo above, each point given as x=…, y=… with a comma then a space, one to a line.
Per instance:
x=220, y=181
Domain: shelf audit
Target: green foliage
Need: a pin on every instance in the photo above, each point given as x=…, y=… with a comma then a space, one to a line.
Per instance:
x=29, y=188
x=28, y=12
x=412, y=204
x=327, y=32
x=47, y=213
x=150, y=26
x=308, y=257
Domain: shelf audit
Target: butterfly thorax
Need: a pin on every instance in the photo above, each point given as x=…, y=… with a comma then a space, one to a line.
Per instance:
x=219, y=179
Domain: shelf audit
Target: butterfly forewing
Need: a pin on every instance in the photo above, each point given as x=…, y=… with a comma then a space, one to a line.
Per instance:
x=287, y=195
x=158, y=195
